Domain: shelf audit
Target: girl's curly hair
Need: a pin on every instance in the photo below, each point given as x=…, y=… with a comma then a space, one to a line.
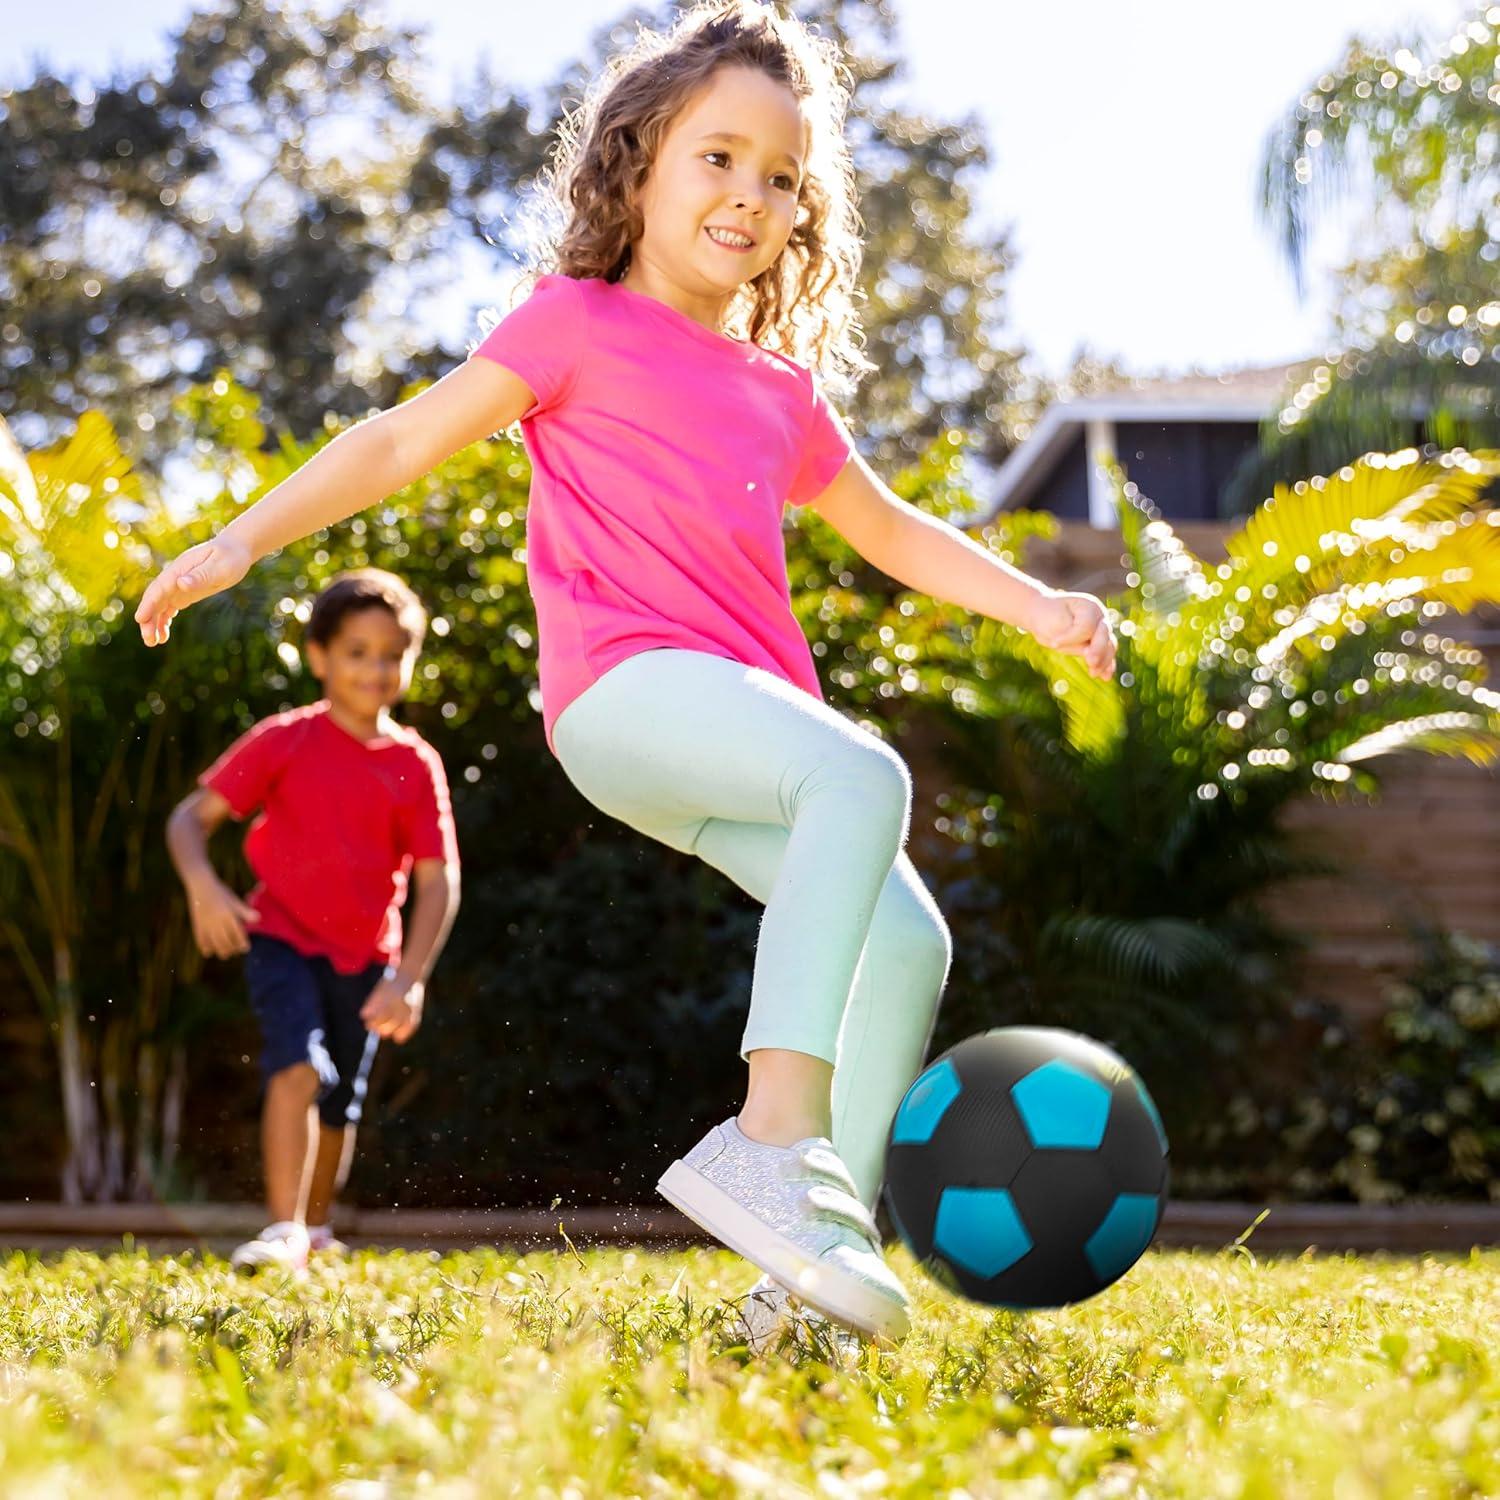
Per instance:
x=803, y=305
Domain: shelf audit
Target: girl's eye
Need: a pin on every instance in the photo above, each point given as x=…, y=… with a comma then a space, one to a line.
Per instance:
x=791, y=187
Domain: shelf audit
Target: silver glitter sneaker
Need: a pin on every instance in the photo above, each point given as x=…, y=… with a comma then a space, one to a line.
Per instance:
x=792, y=1211
x=768, y=1315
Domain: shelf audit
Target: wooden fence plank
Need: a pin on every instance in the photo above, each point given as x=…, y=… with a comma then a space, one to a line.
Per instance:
x=1288, y=1227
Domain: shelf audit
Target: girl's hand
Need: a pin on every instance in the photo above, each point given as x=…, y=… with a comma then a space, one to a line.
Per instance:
x=219, y=919
x=205, y=569
x=1076, y=625
x=394, y=1008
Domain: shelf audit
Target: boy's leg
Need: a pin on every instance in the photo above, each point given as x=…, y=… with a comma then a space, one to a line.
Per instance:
x=284, y=1138
x=351, y=1048
x=294, y=1062
x=335, y=1153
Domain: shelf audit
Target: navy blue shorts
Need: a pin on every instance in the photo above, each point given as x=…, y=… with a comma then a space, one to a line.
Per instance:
x=309, y=1013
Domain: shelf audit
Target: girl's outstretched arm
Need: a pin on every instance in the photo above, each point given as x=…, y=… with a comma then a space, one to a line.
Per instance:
x=932, y=557
x=356, y=470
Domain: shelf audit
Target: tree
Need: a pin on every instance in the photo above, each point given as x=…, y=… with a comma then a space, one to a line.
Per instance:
x=152, y=232
x=246, y=211
x=1418, y=320
x=65, y=559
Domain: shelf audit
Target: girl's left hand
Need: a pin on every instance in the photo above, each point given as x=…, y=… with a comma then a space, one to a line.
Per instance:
x=1076, y=625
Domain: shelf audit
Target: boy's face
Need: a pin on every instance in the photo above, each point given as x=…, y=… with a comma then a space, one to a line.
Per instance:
x=699, y=181
x=367, y=666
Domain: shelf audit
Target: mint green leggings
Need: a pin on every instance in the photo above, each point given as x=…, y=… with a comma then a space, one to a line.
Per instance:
x=808, y=813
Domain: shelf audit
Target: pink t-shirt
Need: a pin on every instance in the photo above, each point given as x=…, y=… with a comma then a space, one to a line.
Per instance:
x=662, y=457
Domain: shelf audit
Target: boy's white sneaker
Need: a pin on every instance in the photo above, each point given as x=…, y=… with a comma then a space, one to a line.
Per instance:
x=321, y=1240
x=282, y=1244
x=794, y=1212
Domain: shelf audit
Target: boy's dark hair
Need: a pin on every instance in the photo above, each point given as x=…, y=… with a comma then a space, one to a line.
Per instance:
x=365, y=588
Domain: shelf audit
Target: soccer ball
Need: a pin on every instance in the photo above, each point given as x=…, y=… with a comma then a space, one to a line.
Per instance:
x=1027, y=1167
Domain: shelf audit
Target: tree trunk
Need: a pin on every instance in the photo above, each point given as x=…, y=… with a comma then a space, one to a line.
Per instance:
x=81, y=1168
x=111, y=1066
x=171, y=1110
x=143, y=1171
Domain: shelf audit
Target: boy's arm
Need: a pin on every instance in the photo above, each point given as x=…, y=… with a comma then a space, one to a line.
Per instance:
x=435, y=886
x=189, y=827
x=394, y=1007
x=219, y=917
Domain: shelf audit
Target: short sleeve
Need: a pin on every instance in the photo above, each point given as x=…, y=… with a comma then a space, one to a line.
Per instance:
x=542, y=341
x=429, y=832
x=826, y=448
x=245, y=773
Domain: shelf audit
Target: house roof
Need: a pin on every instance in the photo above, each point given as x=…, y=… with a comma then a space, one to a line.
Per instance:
x=1248, y=395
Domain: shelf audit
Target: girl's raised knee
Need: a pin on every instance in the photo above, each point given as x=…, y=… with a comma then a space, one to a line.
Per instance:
x=883, y=779
x=912, y=929
x=925, y=937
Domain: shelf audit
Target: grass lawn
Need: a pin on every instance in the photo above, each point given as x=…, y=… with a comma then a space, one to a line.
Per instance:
x=612, y=1373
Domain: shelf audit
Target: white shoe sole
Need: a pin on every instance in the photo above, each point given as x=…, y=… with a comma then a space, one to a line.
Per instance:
x=836, y=1295
x=249, y=1264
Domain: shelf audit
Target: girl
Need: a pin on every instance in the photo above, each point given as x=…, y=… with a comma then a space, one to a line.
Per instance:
x=703, y=266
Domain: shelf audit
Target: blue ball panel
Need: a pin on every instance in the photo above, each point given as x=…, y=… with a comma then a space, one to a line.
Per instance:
x=979, y=1230
x=924, y=1104
x=1122, y=1238
x=1062, y=1107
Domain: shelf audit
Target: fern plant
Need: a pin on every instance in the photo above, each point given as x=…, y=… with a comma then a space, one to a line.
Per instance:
x=1112, y=838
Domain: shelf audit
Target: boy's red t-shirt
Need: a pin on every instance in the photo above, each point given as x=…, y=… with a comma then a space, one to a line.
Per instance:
x=342, y=821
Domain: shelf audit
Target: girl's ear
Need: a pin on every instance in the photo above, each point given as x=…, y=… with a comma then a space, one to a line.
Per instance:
x=317, y=659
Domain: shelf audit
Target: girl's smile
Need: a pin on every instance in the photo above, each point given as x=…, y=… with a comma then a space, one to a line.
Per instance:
x=726, y=239
x=729, y=170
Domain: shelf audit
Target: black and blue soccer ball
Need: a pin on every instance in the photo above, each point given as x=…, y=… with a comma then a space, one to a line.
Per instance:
x=1027, y=1167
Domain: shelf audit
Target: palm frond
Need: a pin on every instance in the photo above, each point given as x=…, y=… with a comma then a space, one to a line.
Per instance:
x=1366, y=402
x=1152, y=951
x=1471, y=736
x=1092, y=711
x=20, y=510
x=59, y=527
x=1169, y=573
x=1420, y=131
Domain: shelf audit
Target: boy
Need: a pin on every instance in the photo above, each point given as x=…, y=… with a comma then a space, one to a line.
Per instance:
x=351, y=803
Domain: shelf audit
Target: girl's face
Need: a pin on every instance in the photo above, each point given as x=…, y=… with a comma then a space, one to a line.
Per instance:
x=732, y=161
x=367, y=666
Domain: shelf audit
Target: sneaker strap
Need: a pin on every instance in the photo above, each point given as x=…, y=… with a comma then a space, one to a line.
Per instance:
x=815, y=1157
x=816, y=1160
x=831, y=1205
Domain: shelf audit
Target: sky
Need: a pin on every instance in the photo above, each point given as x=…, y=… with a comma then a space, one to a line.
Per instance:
x=1124, y=140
